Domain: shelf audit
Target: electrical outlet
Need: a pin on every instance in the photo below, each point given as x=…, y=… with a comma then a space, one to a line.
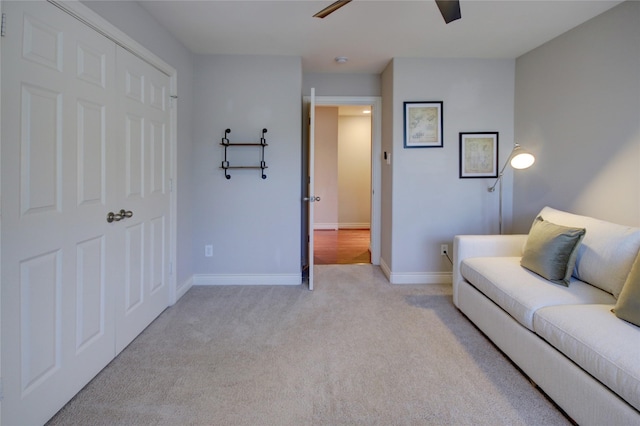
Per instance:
x=444, y=249
x=208, y=251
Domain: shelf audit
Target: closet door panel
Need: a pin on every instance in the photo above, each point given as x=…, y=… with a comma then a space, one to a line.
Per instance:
x=41, y=123
x=134, y=268
x=143, y=190
x=91, y=309
x=58, y=81
x=92, y=146
x=134, y=156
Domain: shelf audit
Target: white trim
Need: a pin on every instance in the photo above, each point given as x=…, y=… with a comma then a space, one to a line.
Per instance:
x=415, y=277
x=421, y=278
x=1, y=328
x=385, y=269
x=173, y=188
x=335, y=226
x=362, y=225
x=184, y=287
x=325, y=226
x=247, y=279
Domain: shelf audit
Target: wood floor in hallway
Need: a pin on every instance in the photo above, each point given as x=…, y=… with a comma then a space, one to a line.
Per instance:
x=344, y=246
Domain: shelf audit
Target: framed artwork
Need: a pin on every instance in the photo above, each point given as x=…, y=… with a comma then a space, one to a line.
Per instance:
x=479, y=155
x=423, y=124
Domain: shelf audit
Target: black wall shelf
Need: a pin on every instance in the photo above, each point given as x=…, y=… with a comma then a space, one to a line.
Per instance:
x=226, y=166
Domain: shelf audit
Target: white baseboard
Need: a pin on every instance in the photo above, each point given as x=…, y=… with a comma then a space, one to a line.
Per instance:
x=363, y=225
x=183, y=288
x=334, y=226
x=247, y=279
x=385, y=269
x=415, y=277
x=325, y=226
x=421, y=278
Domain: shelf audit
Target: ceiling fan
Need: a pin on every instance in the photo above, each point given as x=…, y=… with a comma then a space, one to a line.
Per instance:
x=450, y=9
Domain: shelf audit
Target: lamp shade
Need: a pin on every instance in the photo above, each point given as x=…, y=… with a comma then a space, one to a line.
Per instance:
x=522, y=159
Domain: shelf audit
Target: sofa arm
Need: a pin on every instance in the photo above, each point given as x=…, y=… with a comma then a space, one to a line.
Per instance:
x=465, y=246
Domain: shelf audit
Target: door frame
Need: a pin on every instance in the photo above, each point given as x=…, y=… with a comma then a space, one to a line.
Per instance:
x=104, y=27
x=1, y=11
x=376, y=159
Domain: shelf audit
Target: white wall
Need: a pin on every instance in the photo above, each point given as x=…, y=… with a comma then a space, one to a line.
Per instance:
x=339, y=84
x=354, y=171
x=578, y=110
x=430, y=203
x=326, y=168
x=139, y=25
x=253, y=224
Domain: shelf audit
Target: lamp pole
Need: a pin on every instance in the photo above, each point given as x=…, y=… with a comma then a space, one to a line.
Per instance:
x=519, y=159
x=492, y=189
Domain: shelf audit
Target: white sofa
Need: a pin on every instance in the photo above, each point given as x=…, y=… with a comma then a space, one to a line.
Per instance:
x=565, y=339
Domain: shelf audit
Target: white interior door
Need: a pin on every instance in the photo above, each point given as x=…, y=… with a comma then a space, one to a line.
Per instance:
x=143, y=192
x=57, y=164
x=311, y=198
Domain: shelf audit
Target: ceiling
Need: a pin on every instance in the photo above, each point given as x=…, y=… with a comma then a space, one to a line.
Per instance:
x=368, y=32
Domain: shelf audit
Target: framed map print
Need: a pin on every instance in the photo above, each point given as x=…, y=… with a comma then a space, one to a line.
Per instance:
x=479, y=155
x=423, y=124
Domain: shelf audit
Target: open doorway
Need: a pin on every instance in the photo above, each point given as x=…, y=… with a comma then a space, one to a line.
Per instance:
x=343, y=180
x=308, y=174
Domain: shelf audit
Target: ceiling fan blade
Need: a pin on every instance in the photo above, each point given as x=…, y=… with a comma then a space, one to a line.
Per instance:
x=331, y=8
x=450, y=10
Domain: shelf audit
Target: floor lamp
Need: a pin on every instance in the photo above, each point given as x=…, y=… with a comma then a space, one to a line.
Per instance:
x=519, y=159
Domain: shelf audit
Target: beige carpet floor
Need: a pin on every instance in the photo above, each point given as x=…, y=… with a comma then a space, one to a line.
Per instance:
x=356, y=351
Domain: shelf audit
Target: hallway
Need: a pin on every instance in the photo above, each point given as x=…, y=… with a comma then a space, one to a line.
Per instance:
x=344, y=246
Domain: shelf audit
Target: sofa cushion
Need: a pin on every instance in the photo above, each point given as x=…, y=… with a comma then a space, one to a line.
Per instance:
x=601, y=344
x=520, y=292
x=551, y=250
x=607, y=250
x=628, y=304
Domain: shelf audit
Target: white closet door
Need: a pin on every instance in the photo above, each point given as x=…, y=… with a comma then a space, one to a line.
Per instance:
x=143, y=118
x=58, y=165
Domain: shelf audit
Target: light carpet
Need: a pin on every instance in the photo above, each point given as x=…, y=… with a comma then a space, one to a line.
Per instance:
x=355, y=351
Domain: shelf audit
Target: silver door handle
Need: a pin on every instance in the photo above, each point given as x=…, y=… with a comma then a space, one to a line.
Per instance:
x=114, y=217
x=126, y=213
x=311, y=199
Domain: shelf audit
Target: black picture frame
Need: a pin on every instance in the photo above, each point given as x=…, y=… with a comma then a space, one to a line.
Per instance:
x=479, y=155
x=423, y=124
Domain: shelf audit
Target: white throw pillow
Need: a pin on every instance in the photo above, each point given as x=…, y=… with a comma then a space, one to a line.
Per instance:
x=607, y=251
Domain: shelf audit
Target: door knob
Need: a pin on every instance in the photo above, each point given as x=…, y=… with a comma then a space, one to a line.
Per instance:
x=126, y=213
x=311, y=199
x=114, y=217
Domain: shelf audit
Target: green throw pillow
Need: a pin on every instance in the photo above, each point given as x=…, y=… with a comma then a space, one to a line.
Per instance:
x=551, y=250
x=628, y=304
